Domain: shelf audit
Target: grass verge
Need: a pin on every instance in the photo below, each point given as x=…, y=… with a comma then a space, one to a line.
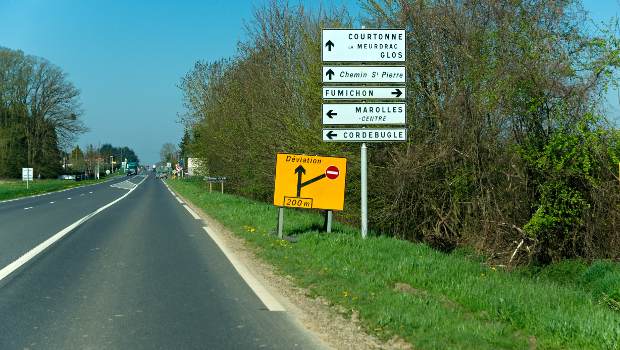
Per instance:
x=430, y=299
x=10, y=189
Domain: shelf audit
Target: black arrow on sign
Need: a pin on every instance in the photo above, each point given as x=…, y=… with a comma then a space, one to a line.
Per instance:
x=299, y=171
x=329, y=45
x=311, y=181
x=330, y=73
x=331, y=114
x=331, y=134
x=397, y=92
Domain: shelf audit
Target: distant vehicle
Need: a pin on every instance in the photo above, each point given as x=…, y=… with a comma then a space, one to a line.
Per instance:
x=131, y=168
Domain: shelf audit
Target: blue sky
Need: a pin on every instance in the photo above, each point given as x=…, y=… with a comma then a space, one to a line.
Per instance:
x=127, y=57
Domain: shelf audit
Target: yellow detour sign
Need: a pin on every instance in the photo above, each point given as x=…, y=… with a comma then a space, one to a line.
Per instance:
x=310, y=182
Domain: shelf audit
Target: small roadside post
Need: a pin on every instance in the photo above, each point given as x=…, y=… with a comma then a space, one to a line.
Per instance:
x=215, y=179
x=27, y=175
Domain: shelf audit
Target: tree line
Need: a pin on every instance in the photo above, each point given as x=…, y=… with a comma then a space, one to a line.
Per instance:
x=105, y=157
x=509, y=150
x=40, y=119
x=39, y=114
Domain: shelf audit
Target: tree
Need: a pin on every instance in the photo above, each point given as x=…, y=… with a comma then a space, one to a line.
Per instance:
x=169, y=153
x=39, y=113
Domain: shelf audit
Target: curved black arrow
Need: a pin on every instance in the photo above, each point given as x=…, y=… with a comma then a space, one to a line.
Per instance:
x=331, y=114
x=397, y=92
x=329, y=45
x=331, y=134
x=330, y=73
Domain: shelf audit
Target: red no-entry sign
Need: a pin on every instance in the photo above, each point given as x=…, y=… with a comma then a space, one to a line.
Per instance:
x=332, y=172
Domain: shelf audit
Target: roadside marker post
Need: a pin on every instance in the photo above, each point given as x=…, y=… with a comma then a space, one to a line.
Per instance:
x=27, y=175
x=340, y=47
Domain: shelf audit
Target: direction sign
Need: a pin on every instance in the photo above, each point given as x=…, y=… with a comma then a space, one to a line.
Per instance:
x=310, y=182
x=27, y=174
x=364, y=74
x=363, y=93
x=365, y=135
x=355, y=45
x=364, y=113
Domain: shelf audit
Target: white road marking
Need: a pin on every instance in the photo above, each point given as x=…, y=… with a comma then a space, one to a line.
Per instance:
x=193, y=213
x=261, y=292
x=69, y=198
x=52, y=202
x=10, y=268
x=81, y=194
x=178, y=199
x=91, y=192
x=27, y=208
x=48, y=193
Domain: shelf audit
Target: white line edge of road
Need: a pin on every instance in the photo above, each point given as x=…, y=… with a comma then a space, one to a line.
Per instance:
x=261, y=292
x=191, y=212
x=48, y=193
x=12, y=267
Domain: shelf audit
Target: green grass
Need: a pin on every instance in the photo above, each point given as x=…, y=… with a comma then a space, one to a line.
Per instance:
x=444, y=301
x=10, y=189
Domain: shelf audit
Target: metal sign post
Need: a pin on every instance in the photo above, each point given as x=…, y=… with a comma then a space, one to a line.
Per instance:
x=364, y=190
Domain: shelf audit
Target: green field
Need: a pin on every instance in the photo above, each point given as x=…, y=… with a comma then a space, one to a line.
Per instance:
x=431, y=299
x=10, y=189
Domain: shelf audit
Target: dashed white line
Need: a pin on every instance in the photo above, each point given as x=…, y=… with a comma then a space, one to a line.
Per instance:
x=193, y=213
x=28, y=208
x=91, y=192
x=261, y=292
x=69, y=198
x=52, y=202
x=12, y=267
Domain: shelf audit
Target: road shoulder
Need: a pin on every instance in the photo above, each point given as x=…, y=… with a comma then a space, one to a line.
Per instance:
x=314, y=314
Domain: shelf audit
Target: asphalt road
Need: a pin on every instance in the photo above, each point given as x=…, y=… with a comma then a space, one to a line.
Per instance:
x=141, y=274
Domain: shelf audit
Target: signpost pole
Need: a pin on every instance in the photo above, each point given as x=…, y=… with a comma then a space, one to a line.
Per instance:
x=364, y=190
x=330, y=215
x=280, y=221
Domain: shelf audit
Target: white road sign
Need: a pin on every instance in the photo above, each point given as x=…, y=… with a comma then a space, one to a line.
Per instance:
x=364, y=113
x=365, y=135
x=363, y=93
x=364, y=74
x=356, y=45
x=27, y=174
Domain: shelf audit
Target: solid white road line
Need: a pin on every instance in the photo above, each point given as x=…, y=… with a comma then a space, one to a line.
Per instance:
x=10, y=268
x=193, y=213
x=178, y=199
x=261, y=292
